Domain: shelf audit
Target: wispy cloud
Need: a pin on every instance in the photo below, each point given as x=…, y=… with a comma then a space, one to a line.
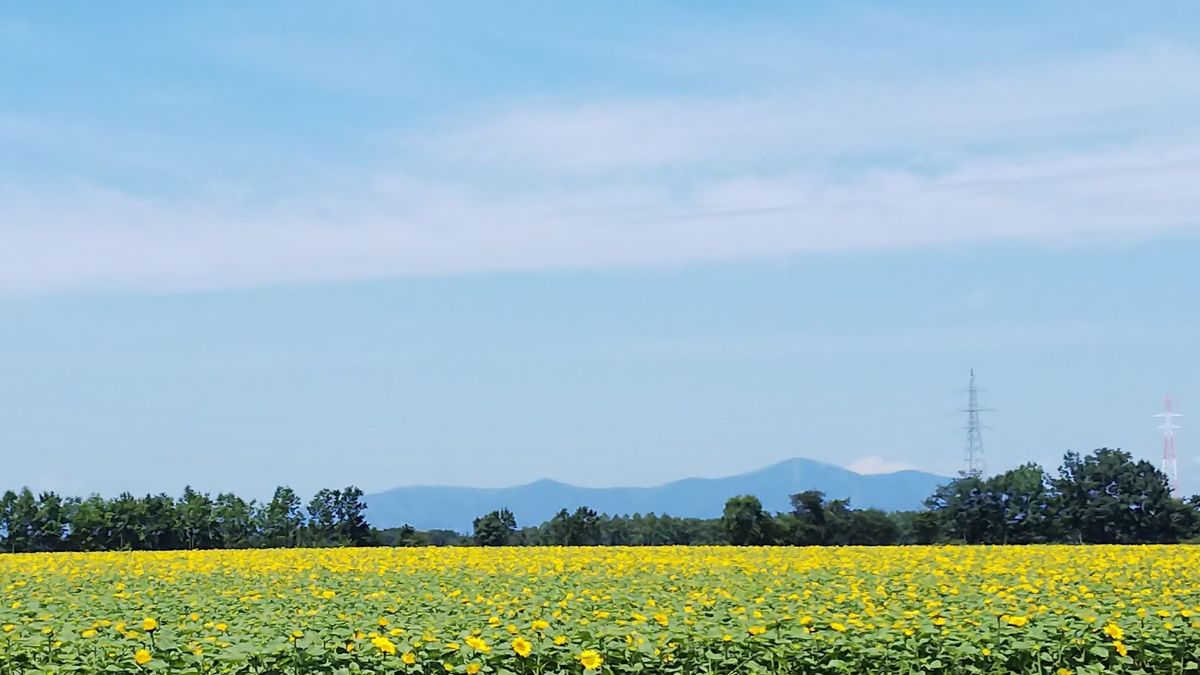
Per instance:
x=1127, y=93
x=399, y=226
x=1100, y=148
x=926, y=338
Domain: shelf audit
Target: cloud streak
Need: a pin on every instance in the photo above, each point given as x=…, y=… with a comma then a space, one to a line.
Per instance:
x=1097, y=149
x=1125, y=93
x=91, y=237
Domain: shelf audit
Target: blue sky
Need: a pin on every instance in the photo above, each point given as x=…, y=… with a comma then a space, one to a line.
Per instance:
x=384, y=244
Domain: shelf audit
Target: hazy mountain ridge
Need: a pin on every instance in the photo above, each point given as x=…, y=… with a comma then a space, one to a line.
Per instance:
x=454, y=508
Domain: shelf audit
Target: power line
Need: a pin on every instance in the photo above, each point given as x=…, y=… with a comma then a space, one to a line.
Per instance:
x=1169, y=465
x=973, y=456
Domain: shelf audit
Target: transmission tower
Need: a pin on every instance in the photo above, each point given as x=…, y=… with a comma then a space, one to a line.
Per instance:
x=1169, y=465
x=973, y=456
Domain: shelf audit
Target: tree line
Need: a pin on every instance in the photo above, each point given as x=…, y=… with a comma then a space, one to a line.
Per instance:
x=1105, y=497
x=1101, y=498
x=48, y=522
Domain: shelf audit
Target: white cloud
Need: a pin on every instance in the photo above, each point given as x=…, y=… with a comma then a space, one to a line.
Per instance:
x=876, y=464
x=1125, y=92
x=85, y=237
x=998, y=157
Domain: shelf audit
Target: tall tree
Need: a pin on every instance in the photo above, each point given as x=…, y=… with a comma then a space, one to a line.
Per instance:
x=495, y=529
x=808, y=523
x=1021, y=505
x=1108, y=498
x=22, y=523
x=234, y=518
x=127, y=516
x=322, y=518
x=581, y=528
x=49, y=524
x=91, y=527
x=8, y=524
x=282, y=519
x=350, y=513
x=160, y=522
x=960, y=508
x=746, y=523
x=196, y=522
x=585, y=527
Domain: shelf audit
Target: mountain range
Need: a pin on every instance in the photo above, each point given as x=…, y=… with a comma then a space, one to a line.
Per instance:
x=454, y=508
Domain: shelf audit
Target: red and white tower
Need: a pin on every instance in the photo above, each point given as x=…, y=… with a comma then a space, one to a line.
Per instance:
x=1169, y=465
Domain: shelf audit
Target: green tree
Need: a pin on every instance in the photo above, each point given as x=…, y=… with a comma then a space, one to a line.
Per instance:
x=440, y=537
x=160, y=523
x=89, y=524
x=581, y=528
x=1108, y=498
x=322, y=518
x=585, y=527
x=282, y=519
x=405, y=535
x=1021, y=505
x=808, y=524
x=6, y=508
x=959, y=505
x=235, y=522
x=495, y=529
x=9, y=528
x=197, y=524
x=746, y=523
x=919, y=527
x=126, y=515
x=49, y=523
x=22, y=521
x=815, y=522
x=351, y=527
x=615, y=531
x=871, y=527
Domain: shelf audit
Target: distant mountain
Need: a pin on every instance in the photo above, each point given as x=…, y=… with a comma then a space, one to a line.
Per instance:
x=454, y=508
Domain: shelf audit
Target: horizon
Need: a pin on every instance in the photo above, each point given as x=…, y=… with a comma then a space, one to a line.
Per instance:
x=385, y=246
x=648, y=487
x=542, y=480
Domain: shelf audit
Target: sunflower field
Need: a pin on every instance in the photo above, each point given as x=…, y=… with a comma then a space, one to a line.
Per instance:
x=1047, y=610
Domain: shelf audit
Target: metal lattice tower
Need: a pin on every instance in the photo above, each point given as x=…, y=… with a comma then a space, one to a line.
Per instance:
x=975, y=466
x=1169, y=465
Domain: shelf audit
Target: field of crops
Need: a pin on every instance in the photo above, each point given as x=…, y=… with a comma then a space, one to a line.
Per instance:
x=650, y=610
